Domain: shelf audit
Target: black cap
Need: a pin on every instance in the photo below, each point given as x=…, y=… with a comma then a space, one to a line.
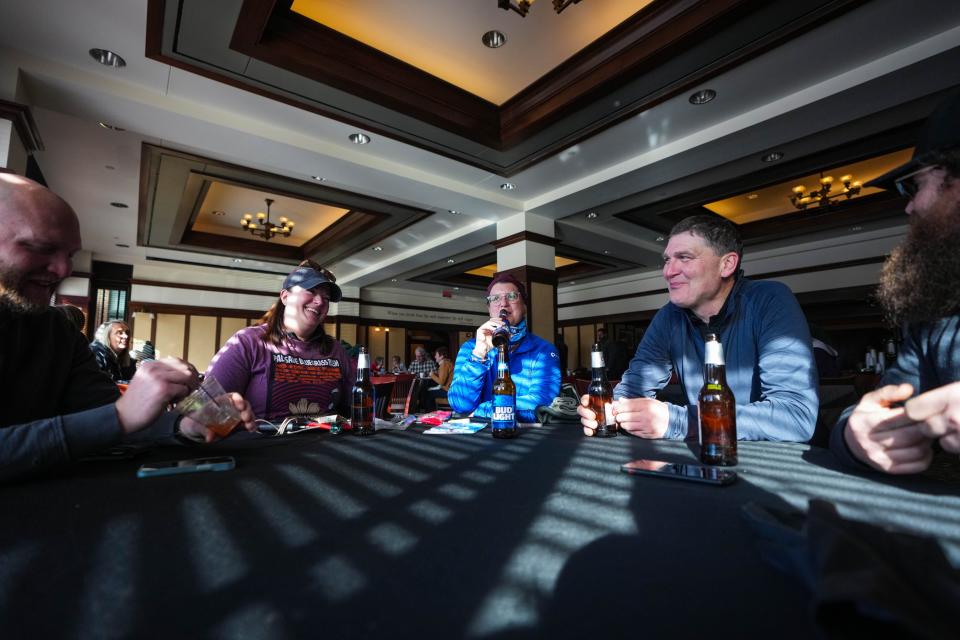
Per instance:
x=940, y=132
x=309, y=278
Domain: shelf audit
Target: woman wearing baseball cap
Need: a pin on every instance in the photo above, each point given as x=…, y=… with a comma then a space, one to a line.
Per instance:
x=287, y=365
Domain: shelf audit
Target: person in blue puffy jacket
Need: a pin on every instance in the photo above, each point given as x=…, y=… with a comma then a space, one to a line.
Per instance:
x=534, y=362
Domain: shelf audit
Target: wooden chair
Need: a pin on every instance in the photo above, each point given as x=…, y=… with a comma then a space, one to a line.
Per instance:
x=383, y=388
x=400, y=397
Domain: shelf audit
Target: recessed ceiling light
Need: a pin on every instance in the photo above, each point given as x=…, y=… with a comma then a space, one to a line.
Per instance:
x=112, y=127
x=120, y=205
x=592, y=215
x=378, y=248
x=773, y=156
x=508, y=186
x=493, y=39
x=453, y=212
x=107, y=57
x=318, y=178
x=606, y=252
x=659, y=238
x=237, y=260
x=393, y=279
x=753, y=196
x=218, y=212
x=359, y=138
x=573, y=282
x=456, y=288
x=856, y=228
x=450, y=260
x=703, y=96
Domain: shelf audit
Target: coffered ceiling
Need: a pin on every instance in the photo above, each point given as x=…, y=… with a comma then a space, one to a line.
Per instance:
x=249, y=99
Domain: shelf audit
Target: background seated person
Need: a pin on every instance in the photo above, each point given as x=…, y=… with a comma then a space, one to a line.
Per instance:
x=377, y=368
x=65, y=407
x=766, y=345
x=534, y=363
x=396, y=365
x=421, y=365
x=111, y=347
x=441, y=380
x=894, y=428
x=287, y=365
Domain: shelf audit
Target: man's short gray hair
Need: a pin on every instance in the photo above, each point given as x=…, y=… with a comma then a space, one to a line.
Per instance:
x=721, y=234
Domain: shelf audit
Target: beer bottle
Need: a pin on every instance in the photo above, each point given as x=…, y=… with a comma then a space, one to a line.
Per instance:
x=601, y=395
x=502, y=334
x=361, y=418
x=718, y=413
x=503, y=421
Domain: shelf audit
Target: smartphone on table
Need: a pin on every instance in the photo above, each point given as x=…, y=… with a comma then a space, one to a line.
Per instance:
x=196, y=465
x=680, y=471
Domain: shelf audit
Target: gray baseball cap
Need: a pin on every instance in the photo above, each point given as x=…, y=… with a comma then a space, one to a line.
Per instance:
x=308, y=278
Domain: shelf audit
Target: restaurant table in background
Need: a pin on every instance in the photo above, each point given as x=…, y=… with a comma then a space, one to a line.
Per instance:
x=422, y=536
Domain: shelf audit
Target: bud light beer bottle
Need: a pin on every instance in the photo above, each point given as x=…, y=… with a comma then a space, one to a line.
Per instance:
x=718, y=413
x=503, y=421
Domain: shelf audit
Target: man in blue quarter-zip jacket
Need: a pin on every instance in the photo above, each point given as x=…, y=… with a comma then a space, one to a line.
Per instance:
x=766, y=343
x=534, y=362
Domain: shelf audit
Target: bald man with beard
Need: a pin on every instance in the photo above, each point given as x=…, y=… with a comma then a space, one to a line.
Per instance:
x=58, y=406
x=893, y=429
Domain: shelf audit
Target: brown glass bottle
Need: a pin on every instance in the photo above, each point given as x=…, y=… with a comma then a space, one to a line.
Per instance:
x=718, y=409
x=502, y=334
x=503, y=420
x=361, y=418
x=601, y=395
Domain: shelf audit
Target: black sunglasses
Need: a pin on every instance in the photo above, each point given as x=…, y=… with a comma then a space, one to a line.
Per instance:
x=907, y=185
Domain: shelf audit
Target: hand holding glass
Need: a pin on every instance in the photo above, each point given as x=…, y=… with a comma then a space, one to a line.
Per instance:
x=211, y=406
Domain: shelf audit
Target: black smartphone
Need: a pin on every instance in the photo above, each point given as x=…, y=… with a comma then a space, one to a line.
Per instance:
x=173, y=467
x=680, y=471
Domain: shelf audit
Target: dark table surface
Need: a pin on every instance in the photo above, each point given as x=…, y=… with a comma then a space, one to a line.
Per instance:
x=406, y=535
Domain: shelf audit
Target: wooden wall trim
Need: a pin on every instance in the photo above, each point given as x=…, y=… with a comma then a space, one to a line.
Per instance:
x=179, y=309
x=23, y=123
x=525, y=236
x=202, y=287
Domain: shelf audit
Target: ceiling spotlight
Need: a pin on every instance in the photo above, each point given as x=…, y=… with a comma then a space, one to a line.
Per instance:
x=218, y=212
x=573, y=282
x=659, y=239
x=318, y=178
x=393, y=279
x=773, y=156
x=753, y=196
x=378, y=248
x=450, y=260
x=120, y=205
x=107, y=58
x=493, y=39
x=592, y=215
x=703, y=97
x=359, y=138
x=508, y=186
x=456, y=288
x=523, y=6
x=606, y=252
x=856, y=228
x=453, y=212
x=237, y=260
x=112, y=127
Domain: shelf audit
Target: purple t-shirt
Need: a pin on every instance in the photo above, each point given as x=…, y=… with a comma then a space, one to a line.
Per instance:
x=295, y=378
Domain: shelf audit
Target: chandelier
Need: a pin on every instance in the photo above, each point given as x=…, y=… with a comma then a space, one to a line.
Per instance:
x=523, y=6
x=801, y=199
x=266, y=229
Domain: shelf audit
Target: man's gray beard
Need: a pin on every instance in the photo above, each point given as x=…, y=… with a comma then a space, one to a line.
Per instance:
x=920, y=281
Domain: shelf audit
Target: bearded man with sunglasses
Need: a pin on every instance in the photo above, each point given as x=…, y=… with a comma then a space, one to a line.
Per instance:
x=894, y=428
x=534, y=362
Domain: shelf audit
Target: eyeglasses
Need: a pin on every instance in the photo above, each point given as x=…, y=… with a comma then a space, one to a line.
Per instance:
x=907, y=185
x=511, y=296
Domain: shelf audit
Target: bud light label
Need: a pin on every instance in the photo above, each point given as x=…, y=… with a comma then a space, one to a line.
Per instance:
x=504, y=416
